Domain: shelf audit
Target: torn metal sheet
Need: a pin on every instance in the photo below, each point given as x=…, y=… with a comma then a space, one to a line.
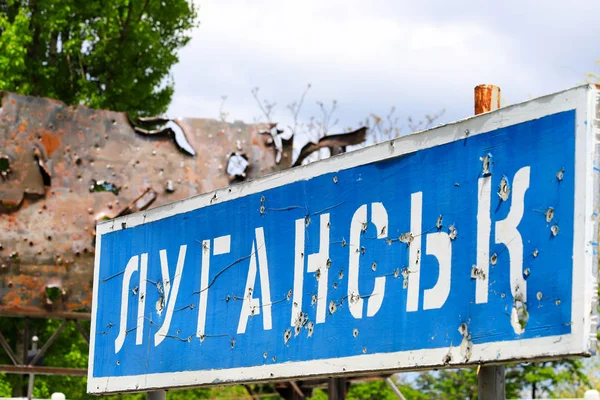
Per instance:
x=64, y=168
x=336, y=143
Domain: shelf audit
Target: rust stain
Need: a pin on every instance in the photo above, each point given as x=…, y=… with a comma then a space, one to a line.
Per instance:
x=79, y=145
x=487, y=98
x=50, y=141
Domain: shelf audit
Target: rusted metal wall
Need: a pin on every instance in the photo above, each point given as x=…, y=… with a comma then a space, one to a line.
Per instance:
x=63, y=168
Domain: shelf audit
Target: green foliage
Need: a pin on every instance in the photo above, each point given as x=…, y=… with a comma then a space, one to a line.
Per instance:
x=5, y=386
x=379, y=390
x=113, y=54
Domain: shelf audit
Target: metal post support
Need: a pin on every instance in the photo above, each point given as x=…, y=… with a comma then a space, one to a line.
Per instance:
x=491, y=382
x=490, y=378
x=337, y=388
x=157, y=395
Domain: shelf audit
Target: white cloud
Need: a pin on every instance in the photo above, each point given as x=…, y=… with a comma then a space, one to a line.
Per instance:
x=420, y=56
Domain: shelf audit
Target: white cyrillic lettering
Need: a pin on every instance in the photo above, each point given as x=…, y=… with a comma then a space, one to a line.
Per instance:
x=318, y=262
x=131, y=267
x=139, y=333
x=439, y=245
x=250, y=305
x=170, y=293
x=414, y=256
x=380, y=219
x=298, y=270
x=507, y=233
x=222, y=245
x=484, y=227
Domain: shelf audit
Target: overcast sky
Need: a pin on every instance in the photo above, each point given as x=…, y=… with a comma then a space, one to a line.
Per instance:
x=419, y=55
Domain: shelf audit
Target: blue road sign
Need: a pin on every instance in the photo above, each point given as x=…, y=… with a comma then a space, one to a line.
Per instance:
x=474, y=242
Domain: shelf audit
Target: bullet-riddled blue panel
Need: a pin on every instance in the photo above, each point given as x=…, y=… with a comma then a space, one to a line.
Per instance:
x=528, y=167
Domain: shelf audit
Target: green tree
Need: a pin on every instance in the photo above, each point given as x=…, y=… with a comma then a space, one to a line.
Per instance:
x=114, y=54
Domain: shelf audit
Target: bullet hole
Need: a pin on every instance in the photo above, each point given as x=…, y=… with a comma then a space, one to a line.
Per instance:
x=160, y=305
x=332, y=307
x=343, y=242
x=467, y=133
x=549, y=214
x=438, y=224
x=118, y=362
x=486, y=164
x=396, y=273
x=383, y=231
x=314, y=299
x=265, y=355
x=364, y=226
x=104, y=186
x=328, y=225
x=341, y=274
x=504, y=189
x=274, y=358
x=354, y=297
x=554, y=229
x=4, y=167
x=297, y=330
x=364, y=350
x=502, y=295
x=374, y=266
x=557, y=302
x=307, y=220
x=202, y=337
x=362, y=250
x=527, y=272
x=237, y=165
x=232, y=343
x=560, y=174
x=447, y=358
x=477, y=273
x=392, y=144
x=406, y=238
x=335, y=285
x=53, y=293
x=539, y=295
x=535, y=252
x=9, y=284
x=134, y=290
x=214, y=198
x=318, y=274
x=14, y=255
x=466, y=346
x=452, y=233
x=123, y=225
x=519, y=315
x=262, y=209
x=289, y=294
x=287, y=335
x=494, y=259
x=335, y=179
x=30, y=244
x=405, y=276
x=328, y=263
x=169, y=186
x=311, y=328
x=355, y=332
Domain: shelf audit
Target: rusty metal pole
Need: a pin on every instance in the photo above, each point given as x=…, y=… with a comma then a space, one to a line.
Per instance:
x=487, y=98
x=491, y=379
x=337, y=389
x=157, y=395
